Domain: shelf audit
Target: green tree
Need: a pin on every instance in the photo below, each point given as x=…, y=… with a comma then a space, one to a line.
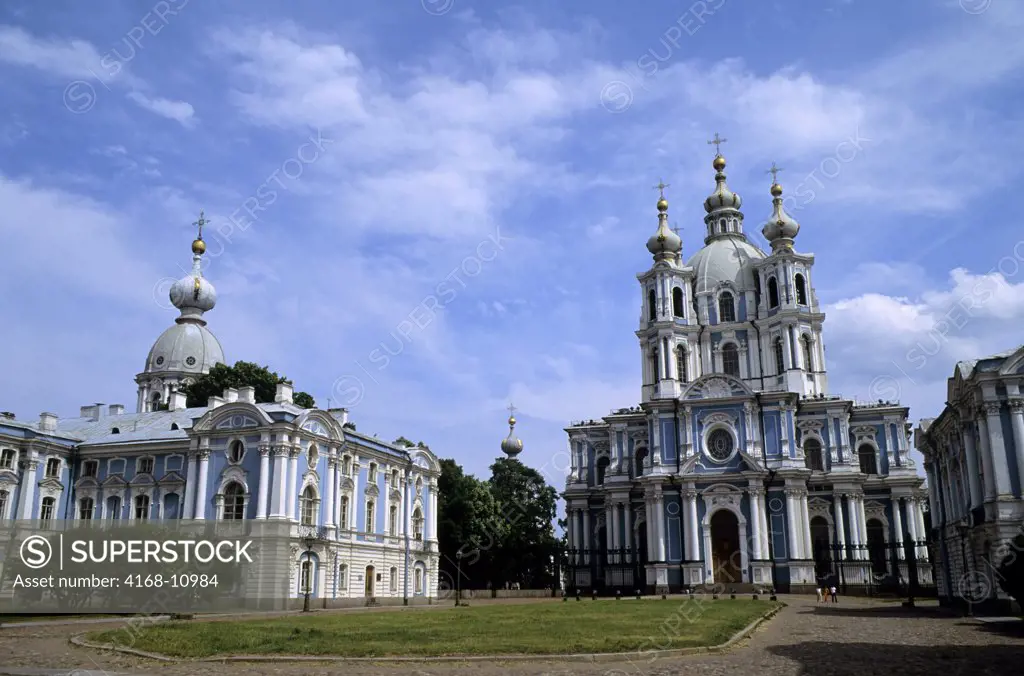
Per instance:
x=527, y=506
x=242, y=374
x=468, y=524
x=402, y=441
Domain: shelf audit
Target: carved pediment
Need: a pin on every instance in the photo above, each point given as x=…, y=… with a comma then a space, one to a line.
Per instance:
x=864, y=432
x=372, y=491
x=600, y=447
x=811, y=425
x=171, y=478
x=236, y=422
x=719, y=418
x=873, y=508
x=818, y=506
x=114, y=480
x=396, y=496
x=716, y=386
x=316, y=427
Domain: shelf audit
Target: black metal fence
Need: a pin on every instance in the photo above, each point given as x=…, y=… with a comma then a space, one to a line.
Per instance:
x=878, y=568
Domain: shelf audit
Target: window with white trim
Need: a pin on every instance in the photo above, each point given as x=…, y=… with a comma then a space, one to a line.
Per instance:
x=53, y=468
x=7, y=457
x=142, y=507
x=46, y=510
x=86, y=506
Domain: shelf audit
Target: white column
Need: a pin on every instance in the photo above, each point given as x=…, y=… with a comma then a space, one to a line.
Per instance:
x=292, y=486
x=806, y=527
x=28, y=491
x=356, y=498
x=986, y=458
x=627, y=531
x=332, y=480
x=261, y=500
x=659, y=511
x=433, y=510
x=862, y=524
x=188, y=509
x=1017, y=418
x=692, y=526
x=997, y=447
x=762, y=525
x=279, y=499
x=649, y=525
x=587, y=535
x=755, y=521
x=851, y=501
x=922, y=552
x=795, y=541
x=974, y=480
x=616, y=536
x=204, y=468
x=608, y=529
x=840, y=526
x=898, y=526
x=911, y=506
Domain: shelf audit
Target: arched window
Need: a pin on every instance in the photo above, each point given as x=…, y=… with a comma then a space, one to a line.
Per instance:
x=812, y=455
x=155, y=402
x=780, y=356
x=726, y=308
x=46, y=510
x=801, y=290
x=417, y=524
x=113, y=508
x=393, y=520
x=773, y=292
x=419, y=581
x=731, y=360
x=235, y=451
x=877, y=546
x=85, y=509
x=677, y=302
x=652, y=305
x=602, y=468
x=307, y=506
x=866, y=455
x=808, y=350
x=344, y=513
x=174, y=426
x=641, y=456
x=393, y=579
x=681, y=364
x=655, y=371
x=141, y=507
x=306, y=583
x=234, y=502
x=343, y=577
x=369, y=516
x=312, y=456
x=5, y=499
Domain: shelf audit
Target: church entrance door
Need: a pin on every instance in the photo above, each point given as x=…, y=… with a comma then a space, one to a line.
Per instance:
x=725, y=547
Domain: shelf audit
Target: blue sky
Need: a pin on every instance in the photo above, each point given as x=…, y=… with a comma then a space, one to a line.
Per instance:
x=360, y=159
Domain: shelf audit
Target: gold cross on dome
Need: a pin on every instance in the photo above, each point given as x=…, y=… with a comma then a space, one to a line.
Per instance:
x=717, y=142
x=201, y=222
x=774, y=171
x=512, y=410
x=676, y=228
x=661, y=188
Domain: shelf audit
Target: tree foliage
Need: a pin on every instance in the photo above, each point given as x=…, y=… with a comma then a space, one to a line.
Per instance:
x=242, y=374
x=502, y=527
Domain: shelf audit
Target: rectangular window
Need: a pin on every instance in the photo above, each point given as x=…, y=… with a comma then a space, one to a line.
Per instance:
x=53, y=468
x=85, y=509
x=4, y=499
x=419, y=581
x=145, y=465
x=141, y=507
x=393, y=521
x=369, y=516
x=7, y=458
x=394, y=580
x=371, y=473
x=90, y=468
x=344, y=513
x=307, y=577
x=46, y=510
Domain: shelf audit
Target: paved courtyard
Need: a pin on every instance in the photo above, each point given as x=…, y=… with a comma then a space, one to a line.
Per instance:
x=854, y=638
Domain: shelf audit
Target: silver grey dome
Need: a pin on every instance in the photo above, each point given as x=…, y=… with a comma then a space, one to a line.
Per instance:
x=193, y=292
x=725, y=259
x=186, y=347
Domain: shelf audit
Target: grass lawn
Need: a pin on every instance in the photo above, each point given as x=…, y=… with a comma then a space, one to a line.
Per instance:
x=537, y=628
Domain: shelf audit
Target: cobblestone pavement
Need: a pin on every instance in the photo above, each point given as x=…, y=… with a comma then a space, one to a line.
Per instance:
x=853, y=638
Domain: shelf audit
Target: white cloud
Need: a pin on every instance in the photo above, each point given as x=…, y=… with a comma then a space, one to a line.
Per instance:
x=173, y=110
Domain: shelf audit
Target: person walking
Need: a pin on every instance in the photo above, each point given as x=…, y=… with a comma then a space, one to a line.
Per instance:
x=820, y=595
x=835, y=599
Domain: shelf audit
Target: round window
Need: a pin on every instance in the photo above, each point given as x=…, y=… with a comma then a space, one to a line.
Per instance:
x=159, y=361
x=191, y=361
x=720, y=445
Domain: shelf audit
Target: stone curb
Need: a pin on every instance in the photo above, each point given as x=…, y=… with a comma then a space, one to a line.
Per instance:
x=579, y=657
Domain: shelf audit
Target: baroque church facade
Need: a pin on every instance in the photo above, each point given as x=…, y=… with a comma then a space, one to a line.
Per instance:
x=369, y=506
x=738, y=466
x=974, y=455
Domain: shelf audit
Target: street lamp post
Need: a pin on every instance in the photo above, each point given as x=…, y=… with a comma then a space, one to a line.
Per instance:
x=458, y=577
x=309, y=541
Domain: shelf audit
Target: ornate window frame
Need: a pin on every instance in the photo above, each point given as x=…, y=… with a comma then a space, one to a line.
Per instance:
x=719, y=421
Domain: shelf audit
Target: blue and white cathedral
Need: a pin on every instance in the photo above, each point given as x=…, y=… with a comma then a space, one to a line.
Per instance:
x=738, y=466
x=370, y=506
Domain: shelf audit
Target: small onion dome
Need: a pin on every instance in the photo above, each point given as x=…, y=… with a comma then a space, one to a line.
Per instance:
x=664, y=241
x=511, y=445
x=780, y=228
x=722, y=197
x=193, y=294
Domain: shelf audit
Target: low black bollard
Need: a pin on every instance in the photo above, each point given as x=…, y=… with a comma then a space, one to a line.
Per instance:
x=618, y=595
x=755, y=597
x=732, y=596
